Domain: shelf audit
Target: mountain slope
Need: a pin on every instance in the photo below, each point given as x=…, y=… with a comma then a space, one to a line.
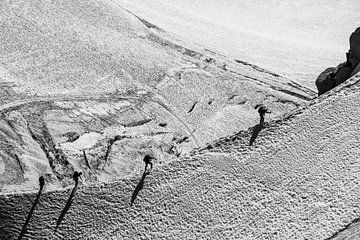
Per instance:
x=296, y=39
x=88, y=86
x=298, y=181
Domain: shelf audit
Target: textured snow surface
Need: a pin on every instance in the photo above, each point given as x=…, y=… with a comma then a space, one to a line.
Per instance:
x=300, y=180
x=296, y=39
x=89, y=86
x=79, y=74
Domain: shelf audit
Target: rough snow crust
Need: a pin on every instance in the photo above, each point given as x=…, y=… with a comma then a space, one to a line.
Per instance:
x=134, y=91
x=296, y=39
x=298, y=181
x=78, y=75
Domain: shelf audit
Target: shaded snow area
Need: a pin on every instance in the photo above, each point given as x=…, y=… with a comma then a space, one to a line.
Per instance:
x=94, y=86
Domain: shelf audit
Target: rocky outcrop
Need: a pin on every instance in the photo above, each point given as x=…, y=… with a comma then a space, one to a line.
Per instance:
x=334, y=76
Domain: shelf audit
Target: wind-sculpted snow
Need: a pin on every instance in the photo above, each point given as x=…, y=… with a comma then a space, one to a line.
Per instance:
x=88, y=86
x=296, y=39
x=298, y=181
x=100, y=74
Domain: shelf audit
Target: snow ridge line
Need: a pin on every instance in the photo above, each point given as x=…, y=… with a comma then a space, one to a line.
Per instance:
x=244, y=135
x=353, y=222
x=154, y=37
x=192, y=157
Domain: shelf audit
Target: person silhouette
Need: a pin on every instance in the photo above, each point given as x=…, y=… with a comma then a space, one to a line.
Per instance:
x=262, y=110
x=76, y=176
x=41, y=181
x=148, y=161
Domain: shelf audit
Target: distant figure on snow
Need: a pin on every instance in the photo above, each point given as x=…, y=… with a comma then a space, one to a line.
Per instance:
x=41, y=181
x=148, y=161
x=76, y=176
x=262, y=110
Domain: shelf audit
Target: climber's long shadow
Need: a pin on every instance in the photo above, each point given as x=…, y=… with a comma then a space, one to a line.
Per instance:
x=256, y=130
x=138, y=187
x=67, y=206
x=23, y=230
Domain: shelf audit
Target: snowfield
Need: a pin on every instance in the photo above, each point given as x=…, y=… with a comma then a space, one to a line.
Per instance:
x=95, y=85
x=296, y=39
x=298, y=181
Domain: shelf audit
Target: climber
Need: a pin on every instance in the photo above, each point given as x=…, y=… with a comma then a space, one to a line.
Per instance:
x=262, y=110
x=148, y=161
x=41, y=181
x=76, y=176
x=334, y=76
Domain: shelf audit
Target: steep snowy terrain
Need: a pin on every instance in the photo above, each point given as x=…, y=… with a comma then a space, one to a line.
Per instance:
x=89, y=86
x=296, y=39
x=300, y=180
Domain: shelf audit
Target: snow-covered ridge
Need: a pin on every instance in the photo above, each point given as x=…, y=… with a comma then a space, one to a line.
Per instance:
x=298, y=180
x=101, y=71
x=144, y=92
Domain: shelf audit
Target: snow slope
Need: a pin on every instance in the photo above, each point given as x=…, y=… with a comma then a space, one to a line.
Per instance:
x=300, y=180
x=78, y=75
x=89, y=86
x=296, y=39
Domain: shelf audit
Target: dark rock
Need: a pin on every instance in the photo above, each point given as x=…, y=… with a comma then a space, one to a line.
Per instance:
x=334, y=76
x=326, y=80
x=354, y=52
